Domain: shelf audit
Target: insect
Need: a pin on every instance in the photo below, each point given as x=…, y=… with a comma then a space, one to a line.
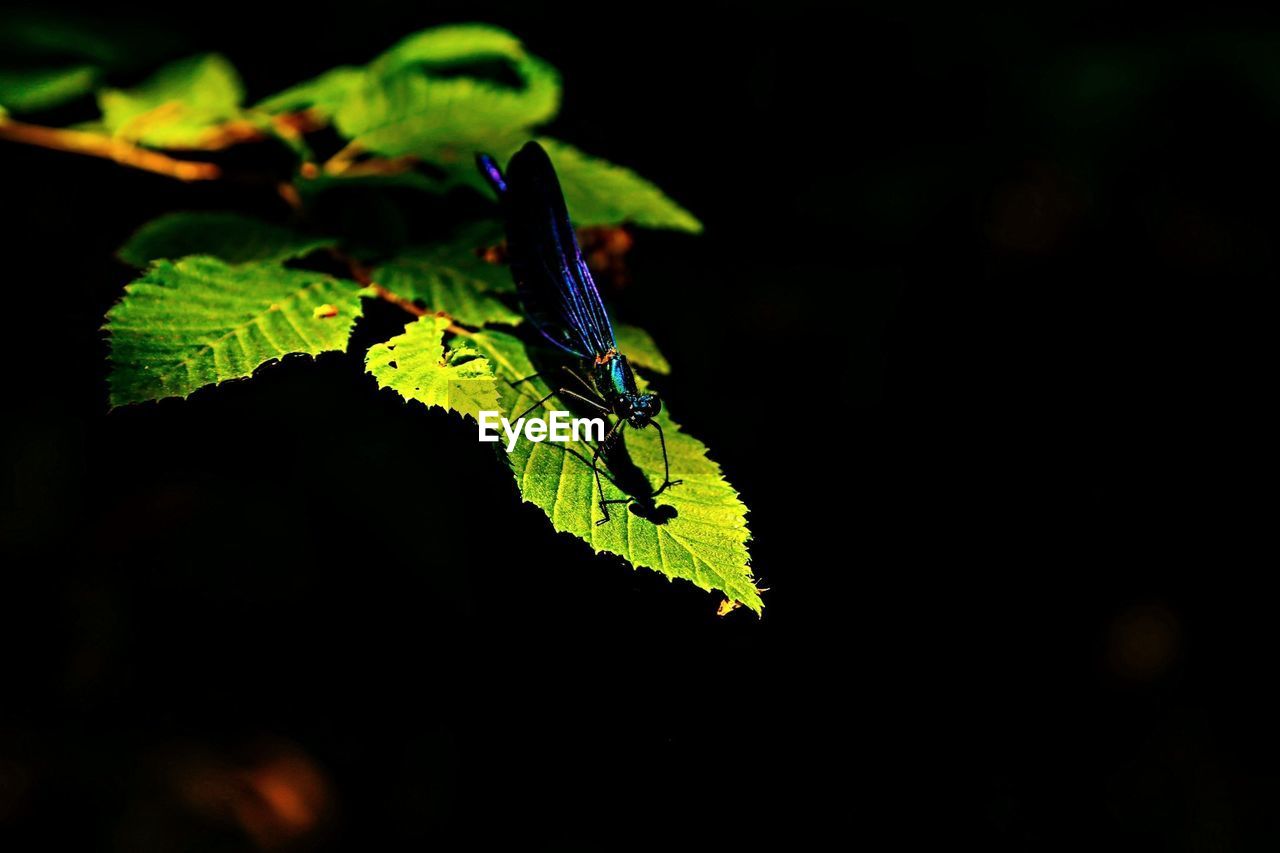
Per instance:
x=561, y=300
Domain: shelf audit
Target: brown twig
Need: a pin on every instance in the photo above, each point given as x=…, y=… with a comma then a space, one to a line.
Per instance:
x=298, y=124
x=128, y=154
x=379, y=166
x=108, y=148
x=343, y=160
x=399, y=301
x=347, y=163
x=229, y=134
x=361, y=274
x=416, y=310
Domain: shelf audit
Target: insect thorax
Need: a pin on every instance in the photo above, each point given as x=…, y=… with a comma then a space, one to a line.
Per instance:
x=613, y=378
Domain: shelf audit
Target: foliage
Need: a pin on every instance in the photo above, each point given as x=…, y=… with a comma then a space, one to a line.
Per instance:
x=704, y=543
x=221, y=293
x=200, y=321
x=39, y=89
x=417, y=366
x=449, y=276
x=230, y=236
x=182, y=105
x=416, y=99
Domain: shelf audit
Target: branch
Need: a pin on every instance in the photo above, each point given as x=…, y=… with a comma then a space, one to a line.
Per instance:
x=398, y=300
x=360, y=273
x=347, y=163
x=97, y=145
x=128, y=154
x=288, y=125
x=343, y=160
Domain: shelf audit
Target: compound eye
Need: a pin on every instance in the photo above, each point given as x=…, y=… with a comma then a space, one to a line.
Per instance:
x=655, y=404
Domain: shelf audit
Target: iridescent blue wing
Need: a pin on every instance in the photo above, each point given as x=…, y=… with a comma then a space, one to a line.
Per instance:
x=557, y=291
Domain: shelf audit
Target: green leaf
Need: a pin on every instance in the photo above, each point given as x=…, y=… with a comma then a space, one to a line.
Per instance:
x=416, y=98
x=230, y=236
x=180, y=106
x=404, y=105
x=416, y=366
x=450, y=277
x=639, y=348
x=324, y=94
x=599, y=193
x=30, y=91
x=437, y=49
x=705, y=543
x=450, y=46
x=201, y=321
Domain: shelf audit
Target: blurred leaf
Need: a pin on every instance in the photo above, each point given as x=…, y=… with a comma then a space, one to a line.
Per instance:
x=324, y=94
x=415, y=366
x=640, y=349
x=425, y=97
x=201, y=321
x=29, y=91
x=416, y=98
x=705, y=543
x=232, y=237
x=450, y=46
x=446, y=119
x=450, y=277
x=180, y=106
x=600, y=193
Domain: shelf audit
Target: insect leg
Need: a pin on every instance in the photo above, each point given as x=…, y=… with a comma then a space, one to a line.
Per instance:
x=581, y=381
x=568, y=391
x=526, y=379
x=597, y=402
x=667, y=482
x=518, y=382
x=592, y=403
x=595, y=469
x=536, y=405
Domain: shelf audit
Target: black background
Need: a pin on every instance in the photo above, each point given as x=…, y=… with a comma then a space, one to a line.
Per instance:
x=974, y=327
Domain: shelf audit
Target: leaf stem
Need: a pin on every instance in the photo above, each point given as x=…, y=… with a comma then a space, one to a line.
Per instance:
x=107, y=148
x=397, y=300
x=361, y=274
x=343, y=160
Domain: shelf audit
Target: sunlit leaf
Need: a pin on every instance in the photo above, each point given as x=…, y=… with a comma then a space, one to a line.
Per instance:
x=705, y=542
x=201, y=321
x=324, y=94
x=416, y=366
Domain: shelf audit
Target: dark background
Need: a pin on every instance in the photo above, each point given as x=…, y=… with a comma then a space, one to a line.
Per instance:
x=976, y=329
